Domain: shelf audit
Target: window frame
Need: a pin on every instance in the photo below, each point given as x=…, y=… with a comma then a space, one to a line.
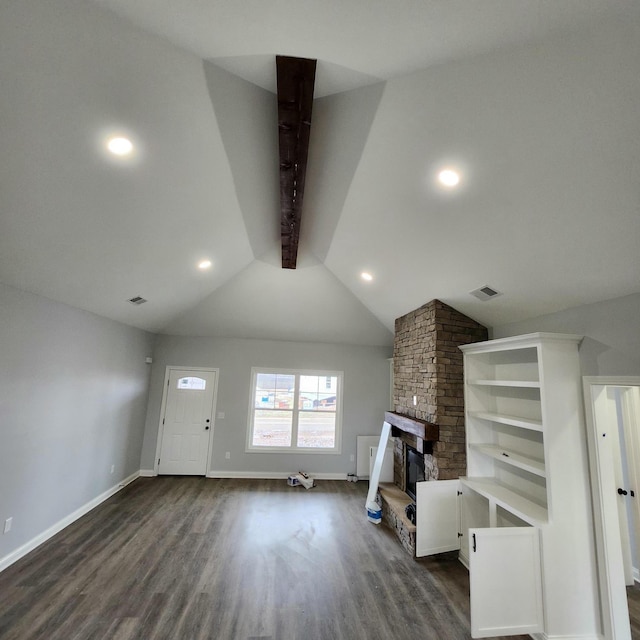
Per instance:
x=293, y=448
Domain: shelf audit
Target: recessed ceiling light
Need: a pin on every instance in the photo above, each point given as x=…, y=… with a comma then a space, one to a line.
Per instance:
x=449, y=177
x=366, y=276
x=204, y=264
x=120, y=146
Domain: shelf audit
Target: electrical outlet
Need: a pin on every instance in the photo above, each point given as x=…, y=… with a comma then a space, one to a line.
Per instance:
x=352, y=458
x=220, y=415
x=227, y=455
x=7, y=524
x=113, y=468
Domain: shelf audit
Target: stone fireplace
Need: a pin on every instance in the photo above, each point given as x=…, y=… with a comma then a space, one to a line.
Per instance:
x=428, y=399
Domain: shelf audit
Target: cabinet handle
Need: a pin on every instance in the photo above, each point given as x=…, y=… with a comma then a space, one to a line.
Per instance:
x=622, y=492
x=474, y=543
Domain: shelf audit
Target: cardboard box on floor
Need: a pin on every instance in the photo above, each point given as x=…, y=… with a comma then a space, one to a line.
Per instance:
x=300, y=478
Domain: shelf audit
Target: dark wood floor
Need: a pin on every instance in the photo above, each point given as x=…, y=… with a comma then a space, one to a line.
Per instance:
x=190, y=558
x=634, y=610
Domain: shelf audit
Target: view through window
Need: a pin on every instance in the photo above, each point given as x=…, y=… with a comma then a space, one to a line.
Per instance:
x=295, y=410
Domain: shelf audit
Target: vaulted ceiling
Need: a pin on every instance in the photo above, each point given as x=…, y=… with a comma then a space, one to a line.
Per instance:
x=535, y=104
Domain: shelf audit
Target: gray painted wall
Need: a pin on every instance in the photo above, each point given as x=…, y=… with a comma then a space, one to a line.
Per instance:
x=611, y=345
x=73, y=396
x=366, y=396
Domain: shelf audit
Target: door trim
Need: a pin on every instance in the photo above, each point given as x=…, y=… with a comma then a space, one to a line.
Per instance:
x=163, y=406
x=614, y=610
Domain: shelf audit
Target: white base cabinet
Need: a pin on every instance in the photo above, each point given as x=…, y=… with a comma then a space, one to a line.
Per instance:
x=504, y=569
x=438, y=519
x=524, y=510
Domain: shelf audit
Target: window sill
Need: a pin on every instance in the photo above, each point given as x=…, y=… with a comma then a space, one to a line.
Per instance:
x=305, y=451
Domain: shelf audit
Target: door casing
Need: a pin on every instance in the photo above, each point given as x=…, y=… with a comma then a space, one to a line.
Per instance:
x=163, y=407
x=615, y=612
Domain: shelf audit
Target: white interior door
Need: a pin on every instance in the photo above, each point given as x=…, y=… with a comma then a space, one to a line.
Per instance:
x=505, y=582
x=187, y=422
x=437, y=517
x=601, y=427
x=619, y=450
x=630, y=409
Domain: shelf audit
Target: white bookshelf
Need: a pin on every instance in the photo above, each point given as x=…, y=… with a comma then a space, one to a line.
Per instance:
x=527, y=468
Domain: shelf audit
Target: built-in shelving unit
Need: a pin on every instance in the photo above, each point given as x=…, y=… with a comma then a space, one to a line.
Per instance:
x=527, y=469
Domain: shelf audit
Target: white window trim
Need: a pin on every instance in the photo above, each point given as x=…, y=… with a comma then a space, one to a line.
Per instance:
x=250, y=448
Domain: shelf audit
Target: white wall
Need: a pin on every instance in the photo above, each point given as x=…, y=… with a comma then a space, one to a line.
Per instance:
x=73, y=394
x=366, y=397
x=611, y=345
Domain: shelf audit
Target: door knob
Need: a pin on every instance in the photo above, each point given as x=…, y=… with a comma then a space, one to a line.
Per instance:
x=622, y=492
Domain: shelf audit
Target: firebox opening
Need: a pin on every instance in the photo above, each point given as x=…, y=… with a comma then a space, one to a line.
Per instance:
x=415, y=470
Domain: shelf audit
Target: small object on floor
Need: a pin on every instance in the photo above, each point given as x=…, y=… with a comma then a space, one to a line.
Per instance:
x=352, y=477
x=374, y=512
x=410, y=511
x=301, y=478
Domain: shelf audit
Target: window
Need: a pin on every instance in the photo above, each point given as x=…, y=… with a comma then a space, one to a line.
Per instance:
x=192, y=383
x=295, y=411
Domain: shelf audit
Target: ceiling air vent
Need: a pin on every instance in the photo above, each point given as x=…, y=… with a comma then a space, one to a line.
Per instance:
x=137, y=300
x=486, y=293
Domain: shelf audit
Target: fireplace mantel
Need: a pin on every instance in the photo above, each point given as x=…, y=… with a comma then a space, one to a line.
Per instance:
x=420, y=429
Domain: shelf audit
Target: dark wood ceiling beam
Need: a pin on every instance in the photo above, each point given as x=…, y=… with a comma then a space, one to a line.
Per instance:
x=296, y=78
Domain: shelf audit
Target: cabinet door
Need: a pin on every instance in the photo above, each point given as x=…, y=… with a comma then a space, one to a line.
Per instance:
x=437, y=517
x=505, y=581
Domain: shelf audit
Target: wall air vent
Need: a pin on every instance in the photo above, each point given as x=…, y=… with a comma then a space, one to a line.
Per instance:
x=485, y=293
x=137, y=300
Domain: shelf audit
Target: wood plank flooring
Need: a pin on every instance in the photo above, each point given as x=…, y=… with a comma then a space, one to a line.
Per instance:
x=633, y=598
x=185, y=558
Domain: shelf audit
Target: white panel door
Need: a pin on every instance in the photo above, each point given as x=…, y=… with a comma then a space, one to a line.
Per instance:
x=187, y=420
x=505, y=582
x=437, y=517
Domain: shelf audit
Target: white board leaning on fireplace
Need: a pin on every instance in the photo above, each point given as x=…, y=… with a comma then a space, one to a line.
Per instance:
x=386, y=473
x=364, y=459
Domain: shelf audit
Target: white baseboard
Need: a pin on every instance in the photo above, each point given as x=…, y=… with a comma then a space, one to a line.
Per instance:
x=22, y=551
x=148, y=473
x=272, y=475
x=546, y=636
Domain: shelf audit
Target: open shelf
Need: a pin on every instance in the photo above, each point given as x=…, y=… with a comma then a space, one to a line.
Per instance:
x=526, y=384
x=508, y=456
x=515, y=421
x=509, y=500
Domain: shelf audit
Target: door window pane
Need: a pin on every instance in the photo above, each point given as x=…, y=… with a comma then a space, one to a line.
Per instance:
x=193, y=383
